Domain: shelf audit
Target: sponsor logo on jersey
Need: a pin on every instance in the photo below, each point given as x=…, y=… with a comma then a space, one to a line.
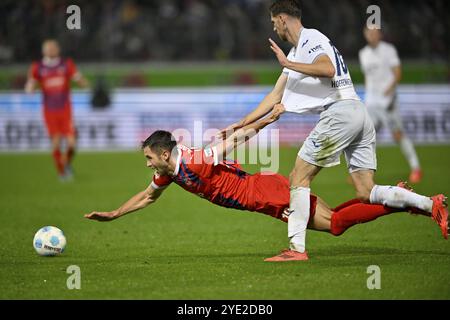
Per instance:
x=316, y=48
x=54, y=82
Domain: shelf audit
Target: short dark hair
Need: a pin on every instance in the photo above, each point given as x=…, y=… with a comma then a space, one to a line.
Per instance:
x=160, y=140
x=289, y=7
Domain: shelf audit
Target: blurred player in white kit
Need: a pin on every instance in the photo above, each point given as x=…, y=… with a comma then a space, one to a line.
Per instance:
x=382, y=71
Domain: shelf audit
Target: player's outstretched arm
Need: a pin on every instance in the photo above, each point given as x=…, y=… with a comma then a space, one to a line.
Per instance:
x=264, y=107
x=137, y=202
x=30, y=85
x=81, y=80
x=247, y=132
x=397, y=71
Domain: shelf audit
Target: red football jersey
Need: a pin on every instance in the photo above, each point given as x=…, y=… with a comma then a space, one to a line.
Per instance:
x=55, y=82
x=200, y=172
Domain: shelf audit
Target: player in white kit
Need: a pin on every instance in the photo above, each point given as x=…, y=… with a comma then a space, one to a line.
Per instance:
x=382, y=71
x=315, y=79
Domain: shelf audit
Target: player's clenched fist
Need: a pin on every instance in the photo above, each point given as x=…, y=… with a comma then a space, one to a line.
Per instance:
x=277, y=110
x=224, y=133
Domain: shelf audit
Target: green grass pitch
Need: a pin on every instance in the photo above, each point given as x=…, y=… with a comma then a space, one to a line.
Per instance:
x=183, y=247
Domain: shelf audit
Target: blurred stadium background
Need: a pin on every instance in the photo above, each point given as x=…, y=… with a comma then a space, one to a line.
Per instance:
x=167, y=64
x=205, y=46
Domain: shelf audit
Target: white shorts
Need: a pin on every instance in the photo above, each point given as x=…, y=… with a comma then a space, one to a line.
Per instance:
x=386, y=117
x=344, y=127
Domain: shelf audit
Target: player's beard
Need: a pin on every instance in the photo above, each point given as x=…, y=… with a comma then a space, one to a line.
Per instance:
x=163, y=171
x=159, y=172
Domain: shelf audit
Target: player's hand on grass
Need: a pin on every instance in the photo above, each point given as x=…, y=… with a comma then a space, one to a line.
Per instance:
x=101, y=216
x=279, y=53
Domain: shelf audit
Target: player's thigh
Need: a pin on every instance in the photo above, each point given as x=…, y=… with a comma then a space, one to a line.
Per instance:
x=322, y=217
x=337, y=128
x=361, y=153
x=272, y=186
x=361, y=156
x=271, y=194
x=320, y=148
x=378, y=117
x=51, y=123
x=67, y=127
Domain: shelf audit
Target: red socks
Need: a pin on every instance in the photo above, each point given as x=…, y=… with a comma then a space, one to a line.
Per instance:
x=58, y=161
x=61, y=161
x=353, y=212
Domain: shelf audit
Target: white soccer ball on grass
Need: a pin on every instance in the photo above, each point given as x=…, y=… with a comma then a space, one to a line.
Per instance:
x=49, y=241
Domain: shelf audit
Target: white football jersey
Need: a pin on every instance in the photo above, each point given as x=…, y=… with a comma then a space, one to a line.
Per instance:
x=307, y=94
x=376, y=64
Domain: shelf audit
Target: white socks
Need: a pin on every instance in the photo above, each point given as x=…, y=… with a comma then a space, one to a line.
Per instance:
x=397, y=197
x=298, y=219
x=410, y=153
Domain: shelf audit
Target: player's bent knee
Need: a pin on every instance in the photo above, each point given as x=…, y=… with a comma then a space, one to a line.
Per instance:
x=71, y=143
x=56, y=141
x=297, y=178
x=296, y=181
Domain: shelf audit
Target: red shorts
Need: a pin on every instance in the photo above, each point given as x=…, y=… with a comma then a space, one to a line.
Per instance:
x=59, y=122
x=271, y=194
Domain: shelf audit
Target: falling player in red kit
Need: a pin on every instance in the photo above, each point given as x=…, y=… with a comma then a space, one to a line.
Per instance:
x=203, y=172
x=54, y=73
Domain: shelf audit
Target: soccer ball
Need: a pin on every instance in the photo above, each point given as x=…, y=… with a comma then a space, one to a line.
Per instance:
x=49, y=241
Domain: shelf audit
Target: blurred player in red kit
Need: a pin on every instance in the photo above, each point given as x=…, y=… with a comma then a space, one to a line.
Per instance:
x=54, y=73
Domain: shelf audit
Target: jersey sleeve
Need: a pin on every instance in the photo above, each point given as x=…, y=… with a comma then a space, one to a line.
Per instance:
x=313, y=47
x=393, y=59
x=160, y=181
